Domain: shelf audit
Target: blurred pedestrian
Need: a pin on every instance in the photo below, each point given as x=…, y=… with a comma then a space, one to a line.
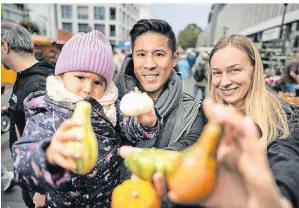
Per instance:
x=200, y=72
x=184, y=67
x=17, y=55
x=290, y=74
x=191, y=57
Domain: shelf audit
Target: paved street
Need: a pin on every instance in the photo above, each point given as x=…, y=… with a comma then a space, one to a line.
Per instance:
x=13, y=199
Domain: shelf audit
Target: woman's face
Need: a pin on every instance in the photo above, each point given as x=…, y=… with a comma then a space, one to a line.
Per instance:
x=231, y=75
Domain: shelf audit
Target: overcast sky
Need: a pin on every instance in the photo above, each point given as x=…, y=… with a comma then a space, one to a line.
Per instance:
x=180, y=15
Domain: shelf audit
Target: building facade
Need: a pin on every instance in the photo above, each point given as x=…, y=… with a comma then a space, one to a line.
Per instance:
x=114, y=20
x=15, y=12
x=260, y=22
x=44, y=16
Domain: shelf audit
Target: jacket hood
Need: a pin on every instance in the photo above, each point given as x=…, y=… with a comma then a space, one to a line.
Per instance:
x=43, y=67
x=126, y=73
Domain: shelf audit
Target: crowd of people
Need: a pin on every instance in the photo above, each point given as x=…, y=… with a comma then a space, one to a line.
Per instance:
x=257, y=159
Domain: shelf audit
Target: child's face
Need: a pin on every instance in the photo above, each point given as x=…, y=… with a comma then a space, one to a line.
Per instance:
x=84, y=84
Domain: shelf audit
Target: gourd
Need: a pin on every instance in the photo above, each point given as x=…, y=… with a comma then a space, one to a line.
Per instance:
x=136, y=103
x=146, y=162
x=190, y=174
x=194, y=175
x=135, y=193
x=88, y=146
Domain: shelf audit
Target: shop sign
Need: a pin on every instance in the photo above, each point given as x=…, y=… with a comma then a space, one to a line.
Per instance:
x=271, y=34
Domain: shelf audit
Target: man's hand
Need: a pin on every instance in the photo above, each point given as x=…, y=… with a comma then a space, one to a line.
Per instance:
x=148, y=119
x=56, y=153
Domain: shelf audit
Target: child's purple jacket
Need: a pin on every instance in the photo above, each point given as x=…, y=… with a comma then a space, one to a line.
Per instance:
x=64, y=188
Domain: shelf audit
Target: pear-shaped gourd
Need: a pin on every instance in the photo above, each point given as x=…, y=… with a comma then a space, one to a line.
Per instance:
x=135, y=193
x=146, y=162
x=194, y=176
x=88, y=146
x=136, y=103
x=190, y=174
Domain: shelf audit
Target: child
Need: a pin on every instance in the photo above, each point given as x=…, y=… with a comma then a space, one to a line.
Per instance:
x=84, y=70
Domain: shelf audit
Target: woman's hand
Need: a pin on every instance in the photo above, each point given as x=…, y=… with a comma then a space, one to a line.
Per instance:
x=57, y=153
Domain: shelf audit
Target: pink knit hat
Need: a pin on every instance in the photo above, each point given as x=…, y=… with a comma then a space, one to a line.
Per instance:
x=90, y=52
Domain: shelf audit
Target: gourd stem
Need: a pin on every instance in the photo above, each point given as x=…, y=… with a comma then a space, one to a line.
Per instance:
x=135, y=194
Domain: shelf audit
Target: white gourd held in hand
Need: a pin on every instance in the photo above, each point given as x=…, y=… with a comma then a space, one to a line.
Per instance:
x=136, y=103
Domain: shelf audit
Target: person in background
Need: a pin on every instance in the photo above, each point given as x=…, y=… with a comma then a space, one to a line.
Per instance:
x=290, y=74
x=201, y=67
x=184, y=67
x=191, y=57
x=17, y=55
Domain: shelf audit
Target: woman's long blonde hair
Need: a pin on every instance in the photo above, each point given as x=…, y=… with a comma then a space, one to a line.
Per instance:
x=261, y=105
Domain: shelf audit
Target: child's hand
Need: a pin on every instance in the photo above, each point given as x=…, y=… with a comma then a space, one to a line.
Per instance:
x=148, y=119
x=56, y=153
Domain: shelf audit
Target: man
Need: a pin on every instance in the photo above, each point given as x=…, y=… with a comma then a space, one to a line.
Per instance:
x=202, y=68
x=150, y=68
x=17, y=55
x=289, y=74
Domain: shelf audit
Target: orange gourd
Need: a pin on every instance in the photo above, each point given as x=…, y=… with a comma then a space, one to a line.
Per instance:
x=194, y=175
x=135, y=193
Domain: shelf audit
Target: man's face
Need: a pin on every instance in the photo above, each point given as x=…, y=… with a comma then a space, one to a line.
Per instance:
x=153, y=61
x=4, y=54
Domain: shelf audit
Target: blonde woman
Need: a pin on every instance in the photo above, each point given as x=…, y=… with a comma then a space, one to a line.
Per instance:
x=236, y=79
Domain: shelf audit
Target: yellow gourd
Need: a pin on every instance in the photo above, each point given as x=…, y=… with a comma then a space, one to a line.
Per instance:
x=136, y=103
x=88, y=146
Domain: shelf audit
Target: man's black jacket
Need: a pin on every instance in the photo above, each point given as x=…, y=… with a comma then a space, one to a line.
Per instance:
x=30, y=80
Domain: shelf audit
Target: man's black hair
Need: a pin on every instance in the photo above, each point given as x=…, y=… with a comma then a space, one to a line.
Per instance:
x=156, y=26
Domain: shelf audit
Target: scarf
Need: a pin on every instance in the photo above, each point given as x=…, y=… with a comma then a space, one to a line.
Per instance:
x=57, y=91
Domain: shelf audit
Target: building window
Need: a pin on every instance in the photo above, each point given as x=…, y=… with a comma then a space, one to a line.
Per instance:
x=83, y=28
x=112, y=30
x=67, y=27
x=100, y=27
x=66, y=12
x=99, y=13
x=82, y=12
x=112, y=14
